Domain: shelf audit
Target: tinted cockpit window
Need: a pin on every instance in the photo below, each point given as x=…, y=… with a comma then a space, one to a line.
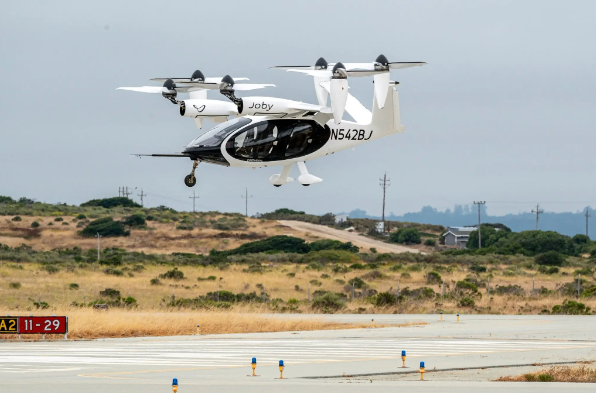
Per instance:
x=215, y=136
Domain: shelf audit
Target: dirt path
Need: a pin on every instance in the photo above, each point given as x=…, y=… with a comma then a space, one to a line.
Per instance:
x=365, y=243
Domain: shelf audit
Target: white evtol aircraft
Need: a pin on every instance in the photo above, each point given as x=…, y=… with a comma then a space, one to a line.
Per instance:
x=269, y=131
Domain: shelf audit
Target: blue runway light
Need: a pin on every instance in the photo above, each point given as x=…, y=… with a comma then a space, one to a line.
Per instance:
x=254, y=361
x=175, y=382
x=421, y=364
x=403, y=353
x=281, y=363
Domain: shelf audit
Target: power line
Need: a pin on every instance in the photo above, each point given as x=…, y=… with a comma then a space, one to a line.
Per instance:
x=384, y=184
x=479, y=231
x=193, y=197
x=538, y=212
x=246, y=201
x=142, y=195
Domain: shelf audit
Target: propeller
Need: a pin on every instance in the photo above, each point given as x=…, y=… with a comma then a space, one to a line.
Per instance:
x=339, y=91
x=379, y=69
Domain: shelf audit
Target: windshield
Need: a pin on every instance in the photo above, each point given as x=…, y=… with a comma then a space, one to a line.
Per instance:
x=216, y=135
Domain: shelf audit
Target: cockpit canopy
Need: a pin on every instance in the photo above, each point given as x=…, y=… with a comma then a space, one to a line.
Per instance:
x=217, y=134
x=277, y=139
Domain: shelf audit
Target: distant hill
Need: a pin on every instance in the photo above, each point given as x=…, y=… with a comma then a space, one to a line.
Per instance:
x=569, y=224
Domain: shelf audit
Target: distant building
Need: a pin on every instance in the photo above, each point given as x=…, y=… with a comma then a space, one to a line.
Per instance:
x=380, y=227
x=341, y=218
x=458, y=236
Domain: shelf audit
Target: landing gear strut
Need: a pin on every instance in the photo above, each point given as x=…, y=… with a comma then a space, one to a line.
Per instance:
x=191, y=180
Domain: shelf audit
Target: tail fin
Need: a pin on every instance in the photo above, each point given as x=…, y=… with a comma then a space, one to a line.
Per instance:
x=388, y=120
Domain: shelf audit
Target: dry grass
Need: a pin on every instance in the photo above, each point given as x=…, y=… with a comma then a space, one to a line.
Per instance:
x=581, y=373
x=89, y=324
x=54, y=288
x=162, y=238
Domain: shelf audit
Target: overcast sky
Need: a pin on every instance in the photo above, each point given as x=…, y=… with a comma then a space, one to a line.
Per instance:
x=503, y=112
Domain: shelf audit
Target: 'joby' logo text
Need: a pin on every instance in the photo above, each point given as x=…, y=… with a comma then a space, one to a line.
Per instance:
x=264, y=106
x=352, y=135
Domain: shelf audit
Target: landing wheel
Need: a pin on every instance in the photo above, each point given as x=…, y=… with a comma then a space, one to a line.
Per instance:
x=190, y=181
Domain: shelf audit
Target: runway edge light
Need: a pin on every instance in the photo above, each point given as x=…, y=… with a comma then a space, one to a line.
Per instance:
x=422, y=371
x=281, y=369
x=175, y=385
x=254, y=366
x=403, y=359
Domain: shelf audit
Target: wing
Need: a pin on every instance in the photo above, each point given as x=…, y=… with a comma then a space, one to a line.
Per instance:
x=161, y=155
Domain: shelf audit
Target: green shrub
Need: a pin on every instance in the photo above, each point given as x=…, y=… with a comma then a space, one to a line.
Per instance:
x=109, y=203
x=571, y=307
x=81, y=217
x=291, y=274
x=589, y=292
x=155, y=281
x=173, y=274
x=339, y=268
x=329, y=302
x=51, y=269
x=110, y=292
x=328, y=244
x=106, y=227
x=357, y=282
x=340, y=281
x=34, y=224
x=396, y=268
x=135, y=221
x=324, y=275
x=357, y=266
x=58, y=219
x=550, y=258
x=315, y=282
x=405, y=275
x=210, y=278
x=373, y=250
x=406, y=236
x=546, y=378
x=433, y=278
x=548, y=270
x=293, y=301
x=16, y=218
x=514, y=290
x=467, y=302
x=477, y=268
x=113, y=272
x=73, y=286
x=385, y=299
x=430, y=242
x=14, y=285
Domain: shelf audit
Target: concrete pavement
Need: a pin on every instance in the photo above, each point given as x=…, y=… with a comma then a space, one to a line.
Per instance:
x=222, y=363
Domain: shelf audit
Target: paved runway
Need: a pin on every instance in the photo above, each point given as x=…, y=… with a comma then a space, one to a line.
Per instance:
x=221, y=363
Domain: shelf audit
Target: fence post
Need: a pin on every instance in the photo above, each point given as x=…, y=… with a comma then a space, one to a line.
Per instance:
x=488, y=288
x=579, y=279
x=443, y=294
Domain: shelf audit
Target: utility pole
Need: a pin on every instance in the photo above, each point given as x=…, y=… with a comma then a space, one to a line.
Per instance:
x=193, y=197
x=384, y=184
x=246, y=201
x=98, y=236
x=479, y=231
x=125, y=192
x=538, y=213
x=142, y=195
x=588, y=215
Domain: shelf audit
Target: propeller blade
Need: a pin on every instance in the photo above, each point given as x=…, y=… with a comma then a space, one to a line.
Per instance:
x=398, y=65
x=250, y=86
x=381, y=88
x=339, y=97
x=292, y=67
x=145, y=89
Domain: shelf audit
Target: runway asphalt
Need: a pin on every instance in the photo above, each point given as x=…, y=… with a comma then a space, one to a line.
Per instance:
x=472, y=352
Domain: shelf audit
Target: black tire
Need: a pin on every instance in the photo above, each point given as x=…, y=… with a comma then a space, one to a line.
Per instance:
x=190, y=181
